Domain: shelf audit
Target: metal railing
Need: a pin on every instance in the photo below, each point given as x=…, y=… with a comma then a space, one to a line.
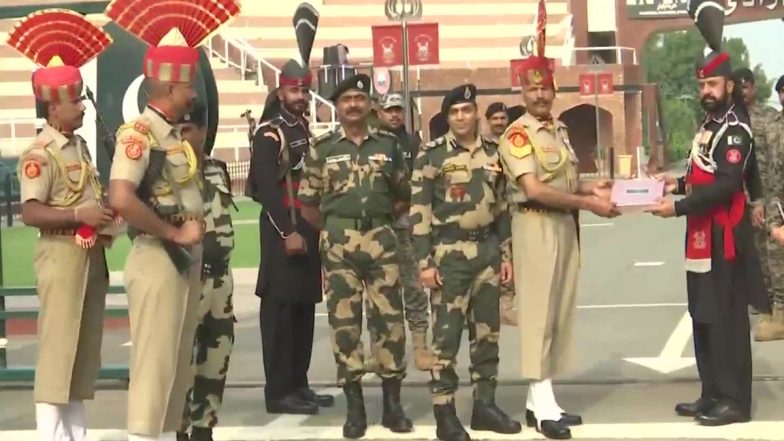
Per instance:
x=248, y=52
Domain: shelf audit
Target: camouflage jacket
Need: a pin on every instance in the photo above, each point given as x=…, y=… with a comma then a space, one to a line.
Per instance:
x=774, y=137
x=219, y=232
x=763, y=126
x=457, y=185
x=352, y=181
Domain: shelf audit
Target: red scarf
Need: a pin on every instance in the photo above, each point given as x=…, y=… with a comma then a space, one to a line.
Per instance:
x=698, y=227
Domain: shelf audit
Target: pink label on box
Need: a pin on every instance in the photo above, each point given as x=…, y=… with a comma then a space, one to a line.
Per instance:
x=636, y=192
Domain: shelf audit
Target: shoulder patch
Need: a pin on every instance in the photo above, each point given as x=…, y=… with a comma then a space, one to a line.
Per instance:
x=31, y=167
x=733, y=156
x=134, y=143
x=441, y=140
x=517, y=136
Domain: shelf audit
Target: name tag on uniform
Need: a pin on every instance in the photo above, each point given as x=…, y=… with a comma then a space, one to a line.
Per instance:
x=449, y=168
x=380, y=157
x=338, y=158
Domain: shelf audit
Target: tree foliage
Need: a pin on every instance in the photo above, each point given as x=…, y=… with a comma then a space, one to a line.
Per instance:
x=669, y=60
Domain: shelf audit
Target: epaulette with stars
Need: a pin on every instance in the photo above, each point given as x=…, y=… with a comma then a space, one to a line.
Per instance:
x=441, y=140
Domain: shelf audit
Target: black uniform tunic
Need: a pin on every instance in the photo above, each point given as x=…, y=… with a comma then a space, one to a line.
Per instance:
x=289, y=286
x=719, y=298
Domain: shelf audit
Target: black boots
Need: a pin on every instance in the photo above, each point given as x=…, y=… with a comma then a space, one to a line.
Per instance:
x=393, y=417
x=695, y=408
x=356, y=419
x=201, y=434
x=487, y=416
x=448, y=427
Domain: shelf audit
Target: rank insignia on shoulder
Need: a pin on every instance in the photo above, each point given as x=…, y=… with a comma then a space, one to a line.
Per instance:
x=436, y=142
x=32, y=168
x=142, y=127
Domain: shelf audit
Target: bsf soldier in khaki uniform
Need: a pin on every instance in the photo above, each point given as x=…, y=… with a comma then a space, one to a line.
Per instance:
x=62, y=197
x=540, y=166
x=356, y=177
x=155, y=186
x=461, y=242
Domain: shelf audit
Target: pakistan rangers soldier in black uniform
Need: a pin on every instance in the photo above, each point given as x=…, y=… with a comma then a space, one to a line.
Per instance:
x=289, y=281
x=723, y=270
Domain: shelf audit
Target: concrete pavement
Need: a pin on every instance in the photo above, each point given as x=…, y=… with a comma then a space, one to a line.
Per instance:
x=632, y=361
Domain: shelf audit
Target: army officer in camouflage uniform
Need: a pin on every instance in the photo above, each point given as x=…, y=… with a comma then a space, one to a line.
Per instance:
x=215, y=332
x=462, y=241
x=355, y=177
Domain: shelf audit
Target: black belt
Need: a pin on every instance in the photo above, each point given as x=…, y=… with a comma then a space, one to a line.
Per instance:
x=360, y=224
x=454, y=232
x=214, y=270
x=540, y=208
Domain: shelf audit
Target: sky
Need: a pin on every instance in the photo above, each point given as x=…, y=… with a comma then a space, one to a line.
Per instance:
x=763, y=38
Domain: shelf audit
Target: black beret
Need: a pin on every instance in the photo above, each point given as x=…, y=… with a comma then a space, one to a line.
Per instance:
x=779, y=84
x=494, y=108
x=460, y=94
x=515, y=112
x=743, y=75
x=360, y=82
x=197, y=116
x=438, y=126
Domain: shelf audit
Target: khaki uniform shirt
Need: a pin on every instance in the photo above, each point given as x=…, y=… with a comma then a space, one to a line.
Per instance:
x=58, y=171
x=132, y=157
x=528, y=146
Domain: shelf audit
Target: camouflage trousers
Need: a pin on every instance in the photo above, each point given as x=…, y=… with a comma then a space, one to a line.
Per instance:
x=414, y=297
x=354, y=263
x=212, y=350
x=470, y=292
x=771, y=256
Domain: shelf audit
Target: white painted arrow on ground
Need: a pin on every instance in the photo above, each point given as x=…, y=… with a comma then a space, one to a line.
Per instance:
x=670, y=359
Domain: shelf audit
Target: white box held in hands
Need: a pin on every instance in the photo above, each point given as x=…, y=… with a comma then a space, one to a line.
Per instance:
x=636, y=195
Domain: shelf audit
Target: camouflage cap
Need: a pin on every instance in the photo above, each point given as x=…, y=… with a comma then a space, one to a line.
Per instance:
x=391, y=100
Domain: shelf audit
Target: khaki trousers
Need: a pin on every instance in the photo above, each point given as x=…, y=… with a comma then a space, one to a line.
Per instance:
x=163, y=308
x=71, y=283
x=546, y=267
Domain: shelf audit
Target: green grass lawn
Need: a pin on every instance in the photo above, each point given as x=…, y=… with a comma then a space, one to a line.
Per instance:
x=18, y=242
